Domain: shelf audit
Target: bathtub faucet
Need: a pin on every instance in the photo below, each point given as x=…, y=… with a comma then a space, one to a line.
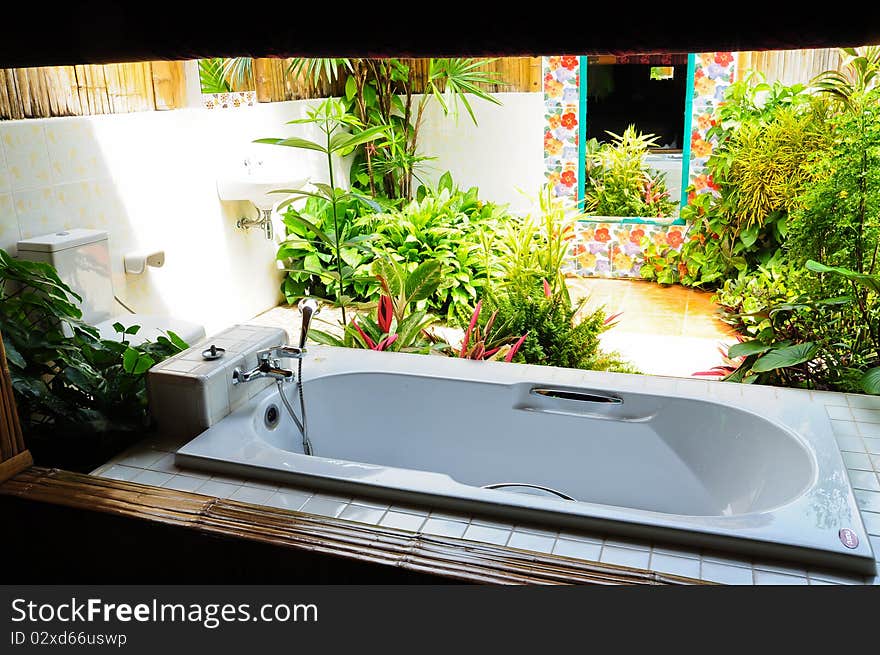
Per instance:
x=268, y=364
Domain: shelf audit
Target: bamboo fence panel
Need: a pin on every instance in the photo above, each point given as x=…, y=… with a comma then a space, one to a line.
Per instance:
x=143, y=86
x=273, y=84
x=443, y=556
x=14, y=456
x=790, y=66
x=91, y=89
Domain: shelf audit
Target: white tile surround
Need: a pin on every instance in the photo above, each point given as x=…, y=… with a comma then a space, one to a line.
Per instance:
x=856, y=423
x=191, y=393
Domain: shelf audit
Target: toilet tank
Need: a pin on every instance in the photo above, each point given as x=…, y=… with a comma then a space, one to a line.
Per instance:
x=82, y=259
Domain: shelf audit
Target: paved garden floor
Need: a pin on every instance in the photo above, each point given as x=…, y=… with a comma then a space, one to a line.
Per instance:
x=662, y=330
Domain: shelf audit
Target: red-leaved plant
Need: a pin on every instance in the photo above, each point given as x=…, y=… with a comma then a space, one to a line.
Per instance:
x=479, y=344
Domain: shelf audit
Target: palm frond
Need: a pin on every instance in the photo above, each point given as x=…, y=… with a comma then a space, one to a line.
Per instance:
x=239, y=73
x=211, y=77
x=316, y=68
x=452, y=80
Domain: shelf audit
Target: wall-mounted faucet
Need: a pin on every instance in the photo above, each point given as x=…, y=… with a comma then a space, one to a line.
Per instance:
x=268, y=360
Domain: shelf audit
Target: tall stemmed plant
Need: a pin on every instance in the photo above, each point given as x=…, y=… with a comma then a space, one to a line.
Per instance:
x=331, y=118
x=381, y=93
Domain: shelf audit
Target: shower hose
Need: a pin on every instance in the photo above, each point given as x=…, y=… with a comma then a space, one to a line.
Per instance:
x=301, y=425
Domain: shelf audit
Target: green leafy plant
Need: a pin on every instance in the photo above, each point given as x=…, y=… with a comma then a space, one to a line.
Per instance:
x=524, y=252
x=211, y=76
x=618, y=182
x=444, y=224
x=738, y=213
x=67, y=380
x=331, y=118
x=222, y=75
x=745, y=301
x=309, y=252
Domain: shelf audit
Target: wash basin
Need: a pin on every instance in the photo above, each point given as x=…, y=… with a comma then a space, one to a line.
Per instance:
x=256, y=183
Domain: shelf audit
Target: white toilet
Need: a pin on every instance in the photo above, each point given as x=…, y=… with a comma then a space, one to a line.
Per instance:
x=82, y=259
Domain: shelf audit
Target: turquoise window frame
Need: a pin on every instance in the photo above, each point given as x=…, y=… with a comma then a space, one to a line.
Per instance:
x=685, y=152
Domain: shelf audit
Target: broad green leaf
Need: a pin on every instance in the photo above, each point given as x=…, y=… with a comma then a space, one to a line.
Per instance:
x=314, y=228
x=144, y=363
x=119, y=327
x=350, y=256
x=871, y=282
x=312, y=263
x=749, y=236
x=343, y=140
x=129, y=359
x=787, y=356
x=423, y=281
x=13, y=356
x=319, y=336
x=350, y=88
x=870, y=382
x=133, y=329
x=177, y=341
x=294, y=142
x=747, y=348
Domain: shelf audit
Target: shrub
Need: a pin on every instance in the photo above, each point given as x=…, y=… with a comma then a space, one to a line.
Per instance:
x=738, y=212
x=556, y=335
x=447, y=225
x=69, y=384
x=619, y=183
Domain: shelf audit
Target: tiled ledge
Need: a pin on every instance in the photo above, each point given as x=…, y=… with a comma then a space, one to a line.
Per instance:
x=856, y=423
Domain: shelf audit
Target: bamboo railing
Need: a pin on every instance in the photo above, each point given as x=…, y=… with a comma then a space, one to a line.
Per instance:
x=14, y=456
x=448, y=557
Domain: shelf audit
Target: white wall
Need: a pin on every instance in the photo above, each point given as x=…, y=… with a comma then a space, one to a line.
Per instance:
x=503, y=154
x=149, y=179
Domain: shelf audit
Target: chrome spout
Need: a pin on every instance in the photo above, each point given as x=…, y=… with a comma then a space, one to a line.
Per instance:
x=308, y=307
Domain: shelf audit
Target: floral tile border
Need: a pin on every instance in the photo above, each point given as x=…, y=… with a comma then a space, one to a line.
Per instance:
x=713, y=73
x=615, y=249
x=230, y=100
x=561, y=109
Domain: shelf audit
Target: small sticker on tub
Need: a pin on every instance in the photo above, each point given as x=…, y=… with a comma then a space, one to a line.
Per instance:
x=849, y=538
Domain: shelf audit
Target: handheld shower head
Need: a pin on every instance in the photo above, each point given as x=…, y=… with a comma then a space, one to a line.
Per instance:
x=308, y=307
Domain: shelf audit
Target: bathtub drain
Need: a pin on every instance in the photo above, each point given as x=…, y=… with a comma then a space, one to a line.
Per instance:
x=271, y=417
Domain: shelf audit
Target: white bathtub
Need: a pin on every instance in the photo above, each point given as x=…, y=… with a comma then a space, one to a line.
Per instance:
x=759, y=477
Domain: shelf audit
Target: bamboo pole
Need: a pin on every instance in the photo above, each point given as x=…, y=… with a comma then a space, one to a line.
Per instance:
x=168, y=83
x=14, y=456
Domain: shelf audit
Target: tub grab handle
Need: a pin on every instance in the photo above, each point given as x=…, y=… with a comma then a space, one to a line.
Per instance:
x=502, y=485
x=580, y=396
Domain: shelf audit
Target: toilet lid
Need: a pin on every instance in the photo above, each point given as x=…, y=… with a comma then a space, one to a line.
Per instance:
x=152, y=327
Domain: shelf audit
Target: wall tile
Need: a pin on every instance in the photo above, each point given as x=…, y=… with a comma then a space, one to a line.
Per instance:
x=73, y=152
x=38, y=211
x=9, y=232
x=5, y=183
x=27, y=158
